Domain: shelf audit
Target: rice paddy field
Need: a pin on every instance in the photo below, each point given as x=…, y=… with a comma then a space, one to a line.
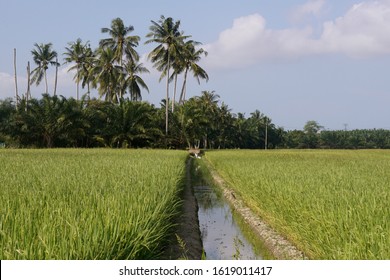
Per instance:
x=120, y=204
x=331, y=204
x=88, y=204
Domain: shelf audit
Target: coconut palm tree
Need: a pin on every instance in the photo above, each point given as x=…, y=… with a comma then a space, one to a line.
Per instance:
x=185, y=60
x=43, y=56
x=190, y=57
x=132, y=81
x=120, y=42
x=107, y=75
x=166, y=34
x=86, y=72
x=178, y=68
x=78, y=53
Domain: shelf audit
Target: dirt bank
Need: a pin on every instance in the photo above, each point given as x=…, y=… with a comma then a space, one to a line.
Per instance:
x=276, y=244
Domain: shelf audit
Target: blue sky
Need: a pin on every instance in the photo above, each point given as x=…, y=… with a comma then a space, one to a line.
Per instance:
x=323, y=60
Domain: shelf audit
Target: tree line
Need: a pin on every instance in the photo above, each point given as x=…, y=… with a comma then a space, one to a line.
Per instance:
x=202, y=121
x=313, y=136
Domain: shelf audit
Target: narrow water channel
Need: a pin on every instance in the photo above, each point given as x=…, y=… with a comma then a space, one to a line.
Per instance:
x=221, y=235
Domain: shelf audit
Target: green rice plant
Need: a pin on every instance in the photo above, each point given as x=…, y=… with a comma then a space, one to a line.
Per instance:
x=88, y=204
x=331, y=204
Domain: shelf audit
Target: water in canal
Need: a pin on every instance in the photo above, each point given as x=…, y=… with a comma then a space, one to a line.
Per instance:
x=221, y=235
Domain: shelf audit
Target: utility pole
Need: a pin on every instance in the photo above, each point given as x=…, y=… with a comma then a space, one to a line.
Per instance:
x=28, y=93
x=266, y=120
x=345, y=127
x=16, y=82
x=266, y=136
x=55, y=81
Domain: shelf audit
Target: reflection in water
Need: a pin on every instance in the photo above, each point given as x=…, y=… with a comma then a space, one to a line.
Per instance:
x=221, y=236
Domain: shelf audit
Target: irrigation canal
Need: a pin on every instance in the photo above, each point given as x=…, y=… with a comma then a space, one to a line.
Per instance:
x=222, y=236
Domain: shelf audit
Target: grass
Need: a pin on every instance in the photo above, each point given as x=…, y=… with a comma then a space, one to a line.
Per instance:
x=88, y=204
x=331, y=204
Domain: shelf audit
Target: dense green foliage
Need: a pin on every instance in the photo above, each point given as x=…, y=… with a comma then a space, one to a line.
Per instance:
x=338, y=139
x=313, y=137
x=88, y=204
x=332, y=204
x=54, y=121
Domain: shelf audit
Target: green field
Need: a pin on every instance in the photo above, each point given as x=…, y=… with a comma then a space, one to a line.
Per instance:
x=119, y=204
x=331, y=204
x=87, y=204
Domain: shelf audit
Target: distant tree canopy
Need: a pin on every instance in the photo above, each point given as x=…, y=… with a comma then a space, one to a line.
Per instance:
x=312, y=136
x=202, y=121
x=55, y=121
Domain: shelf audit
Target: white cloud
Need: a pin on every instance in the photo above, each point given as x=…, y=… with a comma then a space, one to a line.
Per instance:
x=361, y=32
x=310, y=8
x=234, y=44
x=249, y=41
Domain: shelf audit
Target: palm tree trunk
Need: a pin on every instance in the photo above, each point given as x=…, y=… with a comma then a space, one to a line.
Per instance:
x=182, y=95
x=16, y=83
x=266, y=136
x=77, y=93
x=78, y=84
x=174, y=94
x=55, y=80
x=167, y=98
x=28, y=93
x=46, y=83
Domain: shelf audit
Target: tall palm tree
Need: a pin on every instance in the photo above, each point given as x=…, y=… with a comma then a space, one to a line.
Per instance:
x=78, y=53
x=120, y=42
x=56, y=76
x=178, y=68
x=134, y=82
x=86, y=71
x=43, y=56
x=107, y=75
x=166, y=34
x=190, y=57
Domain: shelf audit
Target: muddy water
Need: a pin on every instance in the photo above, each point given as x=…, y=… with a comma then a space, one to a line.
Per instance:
x=221, y=235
